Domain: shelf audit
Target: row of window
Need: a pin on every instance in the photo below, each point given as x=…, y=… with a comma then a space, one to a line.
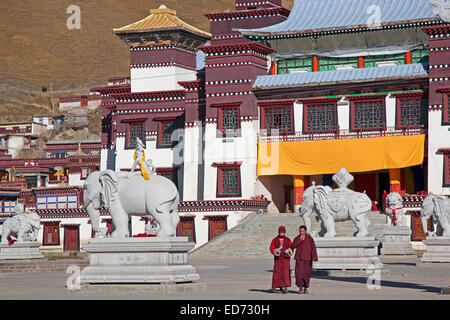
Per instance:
x=165, y=131
x=7, y=206
x=322, y=116
x=333, y=63
x=186, y=228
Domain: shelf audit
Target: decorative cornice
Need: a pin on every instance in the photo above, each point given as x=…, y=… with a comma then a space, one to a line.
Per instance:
x=274, y=103
x=258, y=13
x=253, y=46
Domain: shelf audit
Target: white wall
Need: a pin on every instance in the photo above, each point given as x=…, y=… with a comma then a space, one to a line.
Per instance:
x=238, y=149
x=438, y=137
x=160, y=79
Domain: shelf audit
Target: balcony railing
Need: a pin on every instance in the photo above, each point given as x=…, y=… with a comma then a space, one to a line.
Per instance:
x=340, y=134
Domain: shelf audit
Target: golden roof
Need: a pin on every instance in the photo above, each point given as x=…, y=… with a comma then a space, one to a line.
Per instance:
x=162, y=18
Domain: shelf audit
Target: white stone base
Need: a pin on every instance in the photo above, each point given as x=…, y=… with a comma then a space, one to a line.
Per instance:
x=347, y=253
x=20, y=251
x=138, y=260
x=397, y=241
x=438, y=250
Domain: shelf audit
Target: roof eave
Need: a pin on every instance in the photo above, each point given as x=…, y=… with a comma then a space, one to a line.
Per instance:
x=334, y=83
x=344, y=28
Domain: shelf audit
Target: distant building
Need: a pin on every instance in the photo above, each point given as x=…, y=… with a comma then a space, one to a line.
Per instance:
x=19, y=135
x=80, y=104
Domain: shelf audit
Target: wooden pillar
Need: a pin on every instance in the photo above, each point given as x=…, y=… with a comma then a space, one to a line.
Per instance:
x=408, y=57
x=299, y=188
x=315, y=63
x=360, y=62
x=273, y=68
x=395, y=176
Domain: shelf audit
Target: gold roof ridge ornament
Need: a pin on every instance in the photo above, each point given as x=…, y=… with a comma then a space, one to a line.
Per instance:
x=162, y=18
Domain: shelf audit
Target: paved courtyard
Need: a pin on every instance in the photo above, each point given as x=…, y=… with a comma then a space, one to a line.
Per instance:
x=251, y=279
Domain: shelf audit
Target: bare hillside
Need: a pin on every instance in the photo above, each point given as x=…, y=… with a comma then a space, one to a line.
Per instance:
x=37, y=47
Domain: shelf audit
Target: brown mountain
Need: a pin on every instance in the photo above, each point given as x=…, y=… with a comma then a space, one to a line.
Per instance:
x=37, y=47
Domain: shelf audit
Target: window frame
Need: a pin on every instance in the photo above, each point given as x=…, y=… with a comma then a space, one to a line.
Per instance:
x=409, y=96
x=289, y=104
x=211, y=219
x=314, y=102
x=446, y=170
x=220, y=109
x=367, y=98
x=159, y=143
x=179, y=228
x=219, y=185
x=446, y=108
x=55, y=224
x=129, y=123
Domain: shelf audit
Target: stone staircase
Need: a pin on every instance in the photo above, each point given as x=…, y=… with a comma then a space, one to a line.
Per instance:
x=251, y=238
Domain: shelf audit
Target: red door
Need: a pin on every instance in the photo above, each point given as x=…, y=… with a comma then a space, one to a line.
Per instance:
x=72, y=238
x=217, y=226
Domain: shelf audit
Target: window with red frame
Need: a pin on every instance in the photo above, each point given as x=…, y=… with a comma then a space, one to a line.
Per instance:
x=320, y=117
x=411, y=112
x=228, y=181
x=166, y=129
x=447, y=170
x=446, y=109
x=186, y=228
x=368, y=114
x=277, y=118
x=135, y=130
x=51, y=234
x=229, y=120
x=217, y=226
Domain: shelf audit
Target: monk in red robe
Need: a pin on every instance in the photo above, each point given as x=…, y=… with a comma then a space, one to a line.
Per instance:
x=305, y=255
x=282, y=267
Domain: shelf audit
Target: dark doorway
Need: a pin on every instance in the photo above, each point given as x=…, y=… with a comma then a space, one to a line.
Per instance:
x=383, y=185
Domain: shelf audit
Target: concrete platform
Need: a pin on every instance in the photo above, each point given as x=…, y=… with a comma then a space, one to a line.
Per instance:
x=438, y=250
x=20, y=251
x=138, y=261
x=396, y=241
x=347, y=253
x=142, y=288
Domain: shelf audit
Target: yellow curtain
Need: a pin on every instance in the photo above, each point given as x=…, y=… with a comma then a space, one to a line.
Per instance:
x=328, y=156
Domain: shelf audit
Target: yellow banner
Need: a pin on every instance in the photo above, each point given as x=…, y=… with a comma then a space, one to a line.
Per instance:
x=328, y=156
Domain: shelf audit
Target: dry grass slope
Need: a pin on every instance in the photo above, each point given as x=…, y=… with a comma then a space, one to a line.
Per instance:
x=36, y=46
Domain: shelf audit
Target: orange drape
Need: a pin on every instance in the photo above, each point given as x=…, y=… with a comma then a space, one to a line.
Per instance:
x=328, y=156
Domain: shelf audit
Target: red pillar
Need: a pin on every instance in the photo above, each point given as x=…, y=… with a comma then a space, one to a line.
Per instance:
x=299, y=188
x=408, y=57
x=360, y=62
x=315, y=64
x=395, y=177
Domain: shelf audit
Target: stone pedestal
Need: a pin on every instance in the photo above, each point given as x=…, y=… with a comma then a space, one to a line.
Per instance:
x=396, y=241
x=138, y=261
x=20, y=251
x=438, y=250
x=347, y=253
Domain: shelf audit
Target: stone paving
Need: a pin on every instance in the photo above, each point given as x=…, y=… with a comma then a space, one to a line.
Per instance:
x=250, y=279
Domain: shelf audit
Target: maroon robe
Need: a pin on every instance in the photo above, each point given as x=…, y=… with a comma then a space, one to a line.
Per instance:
x=282, y=265
x=304, y=256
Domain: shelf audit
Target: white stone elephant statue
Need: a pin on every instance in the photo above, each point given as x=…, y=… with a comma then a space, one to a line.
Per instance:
x=127, y=195
x=341, y=204
x=24, y=226
x=437, y=208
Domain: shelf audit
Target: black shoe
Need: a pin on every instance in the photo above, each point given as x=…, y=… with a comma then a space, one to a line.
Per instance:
x=285, y=290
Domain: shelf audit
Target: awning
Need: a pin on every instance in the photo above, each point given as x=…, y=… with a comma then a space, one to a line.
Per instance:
x=328, y=156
